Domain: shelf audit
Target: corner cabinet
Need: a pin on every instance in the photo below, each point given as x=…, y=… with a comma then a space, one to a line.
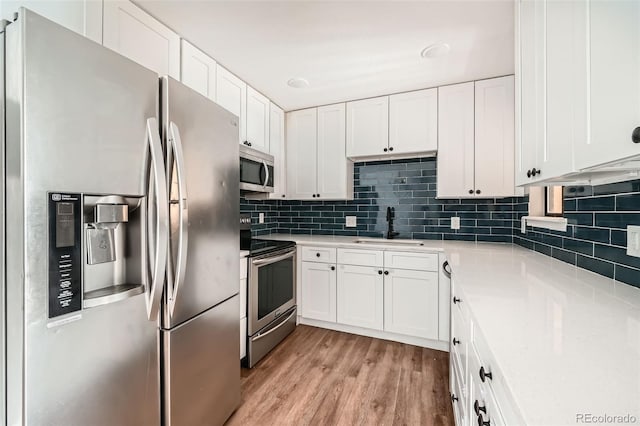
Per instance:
x=317, y=168
x=476, y=142
x=198, y=71
x=133, y=33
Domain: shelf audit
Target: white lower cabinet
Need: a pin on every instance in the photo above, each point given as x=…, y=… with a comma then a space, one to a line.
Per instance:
x=411, y=303
x=318, y=291
x=360, y=296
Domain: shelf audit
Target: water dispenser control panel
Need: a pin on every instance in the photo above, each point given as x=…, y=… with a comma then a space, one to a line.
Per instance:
x=65, y=253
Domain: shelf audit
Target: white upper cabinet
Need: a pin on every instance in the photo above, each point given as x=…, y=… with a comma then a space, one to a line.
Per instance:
x=81, y=16
x=278, y=150
x=413, y=122
x=302, y=154
x=198, y=70
x=257, y=121
x=613, y=85
x=335, y=171
x=368, y=127
x=456, y=163
x=130, y=31
x=494, y=137
x=476, y=143
x=231, y=94
x=317, y=168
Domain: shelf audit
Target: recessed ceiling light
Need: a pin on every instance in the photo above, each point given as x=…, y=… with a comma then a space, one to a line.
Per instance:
x=435, y=50
x=298, y=83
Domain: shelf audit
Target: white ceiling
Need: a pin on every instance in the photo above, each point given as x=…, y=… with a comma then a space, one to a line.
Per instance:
x=345, y=49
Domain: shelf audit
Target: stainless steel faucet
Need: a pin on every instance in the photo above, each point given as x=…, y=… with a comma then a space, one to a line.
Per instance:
x=391, y=214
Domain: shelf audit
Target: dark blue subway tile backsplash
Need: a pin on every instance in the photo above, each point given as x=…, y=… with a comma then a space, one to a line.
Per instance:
x=595, y=238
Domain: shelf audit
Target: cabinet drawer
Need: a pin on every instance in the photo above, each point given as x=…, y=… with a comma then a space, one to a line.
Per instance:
x=360, y=257
x=458, y=399
x=482, y=392
x=480, y=357
x=408, y=260
x=319, y=254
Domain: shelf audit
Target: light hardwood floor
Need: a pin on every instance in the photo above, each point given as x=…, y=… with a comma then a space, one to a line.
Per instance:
x=324, y=377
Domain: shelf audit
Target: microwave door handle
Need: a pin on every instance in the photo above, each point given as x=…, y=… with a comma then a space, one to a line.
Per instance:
x=266, y=173
x=158, y=244
x=270, y=260
x=183, y=217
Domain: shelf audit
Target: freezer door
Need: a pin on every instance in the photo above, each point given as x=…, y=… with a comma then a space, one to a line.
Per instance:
x=201, y=374
x=76, y=116
x=203, y=164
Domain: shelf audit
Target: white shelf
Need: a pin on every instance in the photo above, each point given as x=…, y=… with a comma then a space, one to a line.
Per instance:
x=553, y=223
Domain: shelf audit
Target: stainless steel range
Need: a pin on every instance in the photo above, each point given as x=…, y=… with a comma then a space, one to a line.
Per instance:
x=271, y=293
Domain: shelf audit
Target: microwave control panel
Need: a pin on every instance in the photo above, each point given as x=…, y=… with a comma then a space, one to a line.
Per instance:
x=65, y=253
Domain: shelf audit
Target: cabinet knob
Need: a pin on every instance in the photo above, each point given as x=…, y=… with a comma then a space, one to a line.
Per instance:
x=454, y=398
x=478, y=408
x=471, y=191
x=456, y=299
x=333, y=268
x=385, y=150
x=481, y=422
x=484, y=375
x=477, y=191
x=318, y=195
x=535, y=171
x=528, y=173
x=283, y=195
x=313, y=195
x=386, y=272
x=317, y=254
x=246, y=143
x=390, y=148
x=455, y=341
x=379, y=272
x=635, y=136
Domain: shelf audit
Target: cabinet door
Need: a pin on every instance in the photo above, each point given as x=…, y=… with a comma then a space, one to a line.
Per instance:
x=613, y=40
x=411, y=303
x=360, y=296
x=565, y=91
x=318, y=291
x=81, y=16
x=277, y=149
x=456, y=141
x=133, y=33
x=413, y=122
x=368, y=127
x=494, y=135
x=530, y=65
x=198, y=70
x=231, y=94
x=335, y=172
x=257, y=120
x=302, y=154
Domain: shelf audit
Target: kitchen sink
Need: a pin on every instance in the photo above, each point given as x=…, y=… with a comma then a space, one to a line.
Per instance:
x=379, y=241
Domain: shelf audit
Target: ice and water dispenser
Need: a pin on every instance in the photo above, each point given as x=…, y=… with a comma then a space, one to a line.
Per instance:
x=96, y=250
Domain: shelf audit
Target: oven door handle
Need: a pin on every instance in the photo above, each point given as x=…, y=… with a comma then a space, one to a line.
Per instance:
x=260, y=336
x=270, y=260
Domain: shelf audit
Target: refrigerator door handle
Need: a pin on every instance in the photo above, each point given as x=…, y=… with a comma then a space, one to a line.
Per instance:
x=183, y=230
x=157, y=185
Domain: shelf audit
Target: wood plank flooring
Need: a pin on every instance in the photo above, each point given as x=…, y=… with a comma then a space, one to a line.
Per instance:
x=324, y=377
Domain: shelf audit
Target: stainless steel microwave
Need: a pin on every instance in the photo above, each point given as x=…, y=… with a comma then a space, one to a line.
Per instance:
x=256, y=170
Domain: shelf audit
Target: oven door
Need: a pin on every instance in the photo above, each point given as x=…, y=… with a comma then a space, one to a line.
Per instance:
x=272, y=287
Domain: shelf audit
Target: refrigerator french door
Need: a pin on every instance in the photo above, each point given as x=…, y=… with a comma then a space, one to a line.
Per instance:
x=200, y=328
x=82, y=300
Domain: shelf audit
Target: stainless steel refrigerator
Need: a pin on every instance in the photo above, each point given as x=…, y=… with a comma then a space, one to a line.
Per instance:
x=120, y=271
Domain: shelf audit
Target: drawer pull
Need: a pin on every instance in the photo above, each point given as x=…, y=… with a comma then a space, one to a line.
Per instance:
x=456, y=341
x=454, y=398
x=456, y=299
x=333, y=268
x=484, y=374
x=481, y=422
x=379, y=272
x=386, y=272
x=317, y=254
x=478, y=408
